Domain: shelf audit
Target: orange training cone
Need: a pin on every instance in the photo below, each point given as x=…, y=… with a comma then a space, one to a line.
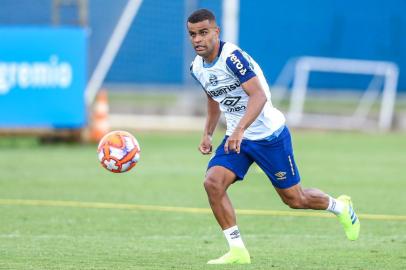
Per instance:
x=99, y=122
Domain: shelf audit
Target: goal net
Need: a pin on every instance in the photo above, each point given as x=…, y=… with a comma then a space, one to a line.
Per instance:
x=371, y=108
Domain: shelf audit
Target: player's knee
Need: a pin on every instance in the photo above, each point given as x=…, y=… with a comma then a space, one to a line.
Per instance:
x=213, y=185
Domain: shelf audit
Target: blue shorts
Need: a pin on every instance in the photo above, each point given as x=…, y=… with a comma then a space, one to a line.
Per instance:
x=274, y=155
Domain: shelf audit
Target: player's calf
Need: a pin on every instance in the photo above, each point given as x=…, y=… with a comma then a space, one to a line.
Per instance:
x=298, y=202
x=297, y=198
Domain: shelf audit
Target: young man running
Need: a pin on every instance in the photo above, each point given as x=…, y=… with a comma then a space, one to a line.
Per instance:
x=256, y=132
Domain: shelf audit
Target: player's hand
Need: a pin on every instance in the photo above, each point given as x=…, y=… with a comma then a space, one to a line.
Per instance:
x=205, y=146
x=233, y=142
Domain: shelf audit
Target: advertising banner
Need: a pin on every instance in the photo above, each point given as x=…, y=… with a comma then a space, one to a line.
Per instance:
x=42, y=77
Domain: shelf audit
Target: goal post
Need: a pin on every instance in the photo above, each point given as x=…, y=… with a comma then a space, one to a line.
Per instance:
x=387, y=70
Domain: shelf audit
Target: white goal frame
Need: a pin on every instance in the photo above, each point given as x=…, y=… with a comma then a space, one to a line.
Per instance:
x=386, y=70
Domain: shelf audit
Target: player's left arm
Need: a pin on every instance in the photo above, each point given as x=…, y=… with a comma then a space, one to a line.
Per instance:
x=256, y=102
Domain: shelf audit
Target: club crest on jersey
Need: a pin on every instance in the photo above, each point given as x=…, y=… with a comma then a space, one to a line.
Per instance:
x=213, y=79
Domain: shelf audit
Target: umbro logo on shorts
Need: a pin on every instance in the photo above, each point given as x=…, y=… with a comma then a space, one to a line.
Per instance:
x=280, y=175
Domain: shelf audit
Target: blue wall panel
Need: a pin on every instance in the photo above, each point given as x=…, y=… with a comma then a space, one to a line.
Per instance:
x=101, y=26
x=374, y=30
x=153, y=49
x=25, y=12
x=156, y=49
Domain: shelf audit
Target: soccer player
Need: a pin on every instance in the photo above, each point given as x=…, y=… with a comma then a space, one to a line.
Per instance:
x=256, y=132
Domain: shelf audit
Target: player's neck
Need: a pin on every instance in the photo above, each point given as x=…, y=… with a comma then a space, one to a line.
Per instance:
x=214, y=54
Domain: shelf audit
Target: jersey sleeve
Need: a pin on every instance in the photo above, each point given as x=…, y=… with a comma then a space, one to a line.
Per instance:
x=240, y=66
x=194, y=76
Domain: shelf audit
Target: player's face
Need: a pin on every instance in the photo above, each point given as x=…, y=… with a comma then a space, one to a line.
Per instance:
x=204, y=37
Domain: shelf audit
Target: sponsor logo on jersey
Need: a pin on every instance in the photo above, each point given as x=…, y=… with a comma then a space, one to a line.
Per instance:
x=280, y=175
x=236, y=109
x=237, y=63
x=223, y=90
x=213, y=79
x=231, y=102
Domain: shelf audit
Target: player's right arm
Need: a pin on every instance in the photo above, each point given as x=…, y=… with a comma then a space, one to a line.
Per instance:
x=213, y=116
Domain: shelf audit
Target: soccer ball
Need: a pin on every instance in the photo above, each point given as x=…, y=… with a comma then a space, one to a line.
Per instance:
x=118, y=151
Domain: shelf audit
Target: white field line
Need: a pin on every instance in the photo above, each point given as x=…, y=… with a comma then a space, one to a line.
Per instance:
x=250, y=212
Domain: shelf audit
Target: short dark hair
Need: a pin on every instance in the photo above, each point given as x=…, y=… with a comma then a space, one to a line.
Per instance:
x=201, y=15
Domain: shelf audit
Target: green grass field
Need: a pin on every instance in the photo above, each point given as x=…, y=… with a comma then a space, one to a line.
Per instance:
x=59, y=209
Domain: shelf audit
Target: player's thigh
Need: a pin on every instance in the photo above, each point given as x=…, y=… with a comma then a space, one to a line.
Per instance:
x=276, y=159
x=238, y=164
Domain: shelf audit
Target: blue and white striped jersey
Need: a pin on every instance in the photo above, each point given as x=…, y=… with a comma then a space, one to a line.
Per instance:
x=222, y=80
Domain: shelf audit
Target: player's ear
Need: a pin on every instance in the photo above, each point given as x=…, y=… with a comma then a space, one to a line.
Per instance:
x=217, y=29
